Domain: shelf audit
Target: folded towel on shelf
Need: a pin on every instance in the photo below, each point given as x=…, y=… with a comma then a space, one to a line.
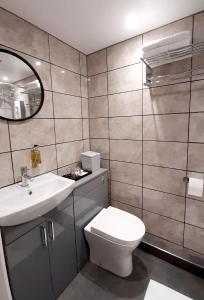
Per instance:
x=166, y=44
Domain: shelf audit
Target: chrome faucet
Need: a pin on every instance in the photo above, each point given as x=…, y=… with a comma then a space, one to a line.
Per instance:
x=25, y=177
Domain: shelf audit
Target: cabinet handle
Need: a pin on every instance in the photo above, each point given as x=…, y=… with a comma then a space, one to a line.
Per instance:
x=51, y=230
x=44, y=235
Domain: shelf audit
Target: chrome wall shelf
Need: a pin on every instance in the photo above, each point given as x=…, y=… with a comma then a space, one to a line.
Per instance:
x=172, y=56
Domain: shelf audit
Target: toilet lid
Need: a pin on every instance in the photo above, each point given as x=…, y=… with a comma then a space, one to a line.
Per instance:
x=118, y=226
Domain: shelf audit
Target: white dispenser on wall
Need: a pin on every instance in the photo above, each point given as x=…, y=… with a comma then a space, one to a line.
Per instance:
x=90, y=161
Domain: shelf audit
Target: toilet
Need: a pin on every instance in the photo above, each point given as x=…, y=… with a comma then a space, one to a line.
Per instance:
x=112, y=236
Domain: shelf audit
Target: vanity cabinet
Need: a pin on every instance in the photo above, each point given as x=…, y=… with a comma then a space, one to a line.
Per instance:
x=44, y=255
x=42, y=261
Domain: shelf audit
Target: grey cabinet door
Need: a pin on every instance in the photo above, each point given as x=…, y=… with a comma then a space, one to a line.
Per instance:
x=62, y=248
x=29, y=268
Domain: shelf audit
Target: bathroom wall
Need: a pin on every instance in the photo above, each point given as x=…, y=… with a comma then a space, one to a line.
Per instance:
x=61, y=128
x=151, y=138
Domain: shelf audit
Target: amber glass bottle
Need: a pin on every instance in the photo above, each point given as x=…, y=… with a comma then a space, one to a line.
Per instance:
x=35, y=156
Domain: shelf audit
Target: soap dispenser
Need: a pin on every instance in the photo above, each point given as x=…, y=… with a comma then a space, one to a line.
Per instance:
x=35, y=156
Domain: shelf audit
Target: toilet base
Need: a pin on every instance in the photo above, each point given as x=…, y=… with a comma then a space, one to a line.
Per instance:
x=123, y=269
x=112, y=257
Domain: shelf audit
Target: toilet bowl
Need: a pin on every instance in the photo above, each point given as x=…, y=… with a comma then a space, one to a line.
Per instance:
x=112, y=236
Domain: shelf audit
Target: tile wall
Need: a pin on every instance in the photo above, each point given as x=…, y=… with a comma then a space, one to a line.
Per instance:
x=61, y=128
x=151, y=138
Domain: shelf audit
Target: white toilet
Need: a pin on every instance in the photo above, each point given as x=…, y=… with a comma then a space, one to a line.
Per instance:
x=112, y=236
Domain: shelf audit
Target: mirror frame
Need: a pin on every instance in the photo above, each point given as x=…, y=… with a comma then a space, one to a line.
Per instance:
x=38, y=77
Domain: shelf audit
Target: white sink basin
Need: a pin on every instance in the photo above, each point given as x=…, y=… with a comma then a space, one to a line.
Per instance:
x=18, y=206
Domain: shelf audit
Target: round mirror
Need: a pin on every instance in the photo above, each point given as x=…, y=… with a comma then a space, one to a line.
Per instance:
x=21, y=90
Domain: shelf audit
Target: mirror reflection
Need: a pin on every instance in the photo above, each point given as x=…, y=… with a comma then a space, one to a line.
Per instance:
x=21, y=91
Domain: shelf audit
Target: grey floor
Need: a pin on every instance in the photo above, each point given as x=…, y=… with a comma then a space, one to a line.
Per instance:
x=95, y=283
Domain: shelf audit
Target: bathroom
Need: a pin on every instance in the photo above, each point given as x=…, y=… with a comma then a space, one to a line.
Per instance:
x=124, y=79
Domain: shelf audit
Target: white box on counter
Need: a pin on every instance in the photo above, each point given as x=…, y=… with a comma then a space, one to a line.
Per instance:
x=90, y=161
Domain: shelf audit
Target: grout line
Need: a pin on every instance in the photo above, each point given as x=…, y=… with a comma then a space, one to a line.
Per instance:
x=43, y=60
x=54, y=125
x=142, y=137
x=11, y=155
x=82, y=122
x=153, y=212
x=114, y=69
x=109, y=149
x=188, y=138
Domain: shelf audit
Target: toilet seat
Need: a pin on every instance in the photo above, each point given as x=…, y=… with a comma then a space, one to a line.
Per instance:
x=118, y=226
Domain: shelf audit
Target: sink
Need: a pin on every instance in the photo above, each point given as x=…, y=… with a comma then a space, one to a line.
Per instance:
x=22, y=204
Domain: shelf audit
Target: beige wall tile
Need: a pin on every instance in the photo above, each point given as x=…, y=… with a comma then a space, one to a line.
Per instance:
x=126, y=150
x=196, y=133
x=165, y=154
x=22, y=36
x=85, y=108
x=86, y=145
x=97, y=85
x=46, y=110
x=83, y=64
x=98, y=107
x=69, y=153
x=105, y=164
x=125, y=79
x=166, y=128
x=164, y=204
x=125, y=104
x=167, y=99
x=84, y=87
x=197, y=95
x=67, y=130
x=85, y=123
x=126, y=128
x=195, y=212
x=66, y=82
x=125, y=53
x=127, y=194
x=63, y=55
x=198, y=27
x=130, y=209
x=66, y=106
x=33, y=131
x=97, y=62
x=167, y=30
x=195, y=157
x=4, y=137
x=194, y=238
x=6, y=173
x=164, y=179
x=23, y=158
x=164, y=227
x=101, y=146
x=126, y=172
x=99, y=128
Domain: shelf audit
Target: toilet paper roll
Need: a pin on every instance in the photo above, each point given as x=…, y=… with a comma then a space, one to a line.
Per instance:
x=195, y=187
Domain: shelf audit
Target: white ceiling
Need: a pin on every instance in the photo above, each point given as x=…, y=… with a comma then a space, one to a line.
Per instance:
x=90, y=25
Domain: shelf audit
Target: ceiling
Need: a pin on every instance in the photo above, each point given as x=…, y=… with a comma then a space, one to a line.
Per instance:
x=90, y=25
